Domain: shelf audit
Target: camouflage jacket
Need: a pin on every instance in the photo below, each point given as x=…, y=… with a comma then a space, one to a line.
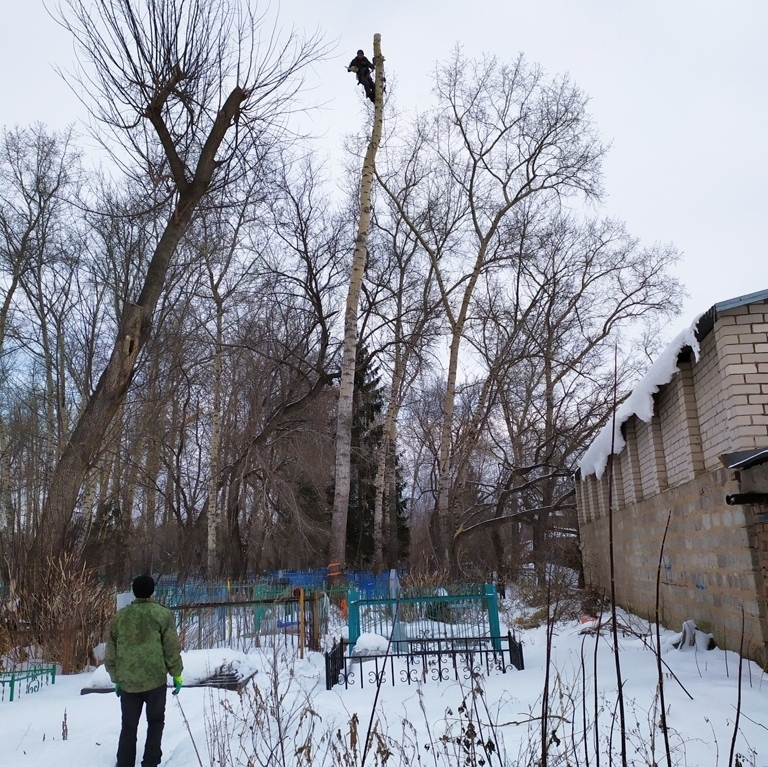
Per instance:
x=142, y=646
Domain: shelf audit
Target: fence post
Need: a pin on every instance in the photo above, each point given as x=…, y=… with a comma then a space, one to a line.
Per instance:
x=492, y=602
x=229, y=612
x=353, y=622
x=302, y=623
x=314, y=633
x=515, y=652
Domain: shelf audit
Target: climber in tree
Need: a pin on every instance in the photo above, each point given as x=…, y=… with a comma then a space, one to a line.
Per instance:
x=363, y=68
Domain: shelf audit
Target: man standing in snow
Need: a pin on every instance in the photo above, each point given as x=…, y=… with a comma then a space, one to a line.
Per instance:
x=142, y=648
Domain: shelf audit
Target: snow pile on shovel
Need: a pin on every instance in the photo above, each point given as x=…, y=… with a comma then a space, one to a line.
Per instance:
x=225, y=668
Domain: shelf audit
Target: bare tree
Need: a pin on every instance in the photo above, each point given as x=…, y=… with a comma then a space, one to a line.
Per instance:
x=39, y=178
x=501, y=135
x=545, y=340
x=273, y=269
x=338, y=544
x=197, y=92
x=400, y=328
x=283, y=356
x=220, y=243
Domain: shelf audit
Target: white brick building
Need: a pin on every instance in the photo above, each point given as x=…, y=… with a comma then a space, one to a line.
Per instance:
x=702, y=436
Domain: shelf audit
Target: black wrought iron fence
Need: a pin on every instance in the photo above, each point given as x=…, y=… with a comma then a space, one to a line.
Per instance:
x=433, y=659
x=334, y=664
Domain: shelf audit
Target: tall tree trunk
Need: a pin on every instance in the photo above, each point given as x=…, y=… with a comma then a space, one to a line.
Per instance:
x=62, y=416
x=135, y=326
x=378, y=504
x=7, y=520
x=213, y=482
x=6, y=500
x=385, y=526
x=43, y=312
x=346, y=386
x=151, y=504
x=541, y=522
x=392, y=503
x=387, y=447
x=235, y=503
x=445, y=522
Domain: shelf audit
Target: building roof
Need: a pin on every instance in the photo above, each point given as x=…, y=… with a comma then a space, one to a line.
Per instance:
x=743, y=459
x=707, y=320
x=640, y=402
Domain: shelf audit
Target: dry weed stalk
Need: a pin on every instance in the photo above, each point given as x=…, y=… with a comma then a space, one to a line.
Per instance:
x=64, y=614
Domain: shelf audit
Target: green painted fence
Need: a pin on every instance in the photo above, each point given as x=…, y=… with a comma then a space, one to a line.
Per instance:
x=26, y=680
x=467, y=611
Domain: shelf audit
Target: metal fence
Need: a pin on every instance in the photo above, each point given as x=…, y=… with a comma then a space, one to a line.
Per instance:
x=194, y=592
x=247, y=624
x=462, y=611
x=438, y=660
x=26, y=680
x=281, y=582
x=241, y=614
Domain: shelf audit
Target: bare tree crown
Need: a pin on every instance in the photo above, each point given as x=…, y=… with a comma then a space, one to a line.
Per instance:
x=172, y=78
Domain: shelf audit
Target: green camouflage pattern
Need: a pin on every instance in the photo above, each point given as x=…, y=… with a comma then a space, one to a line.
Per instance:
x=143, y=646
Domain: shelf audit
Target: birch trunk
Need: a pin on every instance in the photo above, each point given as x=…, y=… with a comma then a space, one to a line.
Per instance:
x=152, y=438
x=151, y=504
x=378, y=506
x=392, y=498
x=346, y=385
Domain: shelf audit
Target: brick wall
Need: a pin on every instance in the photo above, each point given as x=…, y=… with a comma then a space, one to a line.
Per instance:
x=630, y=464
x=716, y=556
x=671, y=421
x=742, y=342
x=755, y=480
x=678, y=414
x=710, y=401
x=707, y=571
x=649, y=452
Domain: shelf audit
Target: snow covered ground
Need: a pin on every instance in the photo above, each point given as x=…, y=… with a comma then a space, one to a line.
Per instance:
x=290, y=710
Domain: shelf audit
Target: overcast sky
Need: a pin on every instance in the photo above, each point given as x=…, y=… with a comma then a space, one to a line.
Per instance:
x=679, y=87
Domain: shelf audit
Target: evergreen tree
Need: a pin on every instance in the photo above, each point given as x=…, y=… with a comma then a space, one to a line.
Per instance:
x=366, y=442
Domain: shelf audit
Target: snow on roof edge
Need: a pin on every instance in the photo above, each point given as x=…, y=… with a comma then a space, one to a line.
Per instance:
x=639, y=403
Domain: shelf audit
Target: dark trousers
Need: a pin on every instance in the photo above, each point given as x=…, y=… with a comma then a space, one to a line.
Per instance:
x=131, y=704
x=367, y=82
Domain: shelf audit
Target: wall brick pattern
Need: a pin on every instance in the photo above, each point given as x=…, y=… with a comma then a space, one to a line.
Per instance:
x=716, y=556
